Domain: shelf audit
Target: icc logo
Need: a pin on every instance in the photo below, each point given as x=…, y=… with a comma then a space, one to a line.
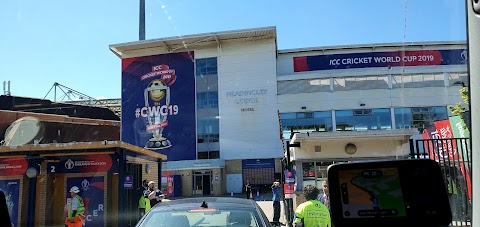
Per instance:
x=69, y=164
x=464, y=57
x=85, y=184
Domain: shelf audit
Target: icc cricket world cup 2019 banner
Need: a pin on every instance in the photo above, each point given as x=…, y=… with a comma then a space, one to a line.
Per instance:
x=11, y=189
x=92, y=192
x=158, y=104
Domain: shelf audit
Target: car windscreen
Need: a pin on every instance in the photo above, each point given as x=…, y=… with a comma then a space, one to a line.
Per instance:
x=203, y=217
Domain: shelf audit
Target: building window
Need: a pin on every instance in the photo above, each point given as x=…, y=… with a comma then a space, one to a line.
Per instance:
x=458, y=79
x=207, y=100
x=419, y=117
x=306, y=122
x=303, y=86
x=314, y=173
x=206, y=66
x=208, y=130
x=360, y=83
x=209, y=155
x=367, y=119
x=418, y=81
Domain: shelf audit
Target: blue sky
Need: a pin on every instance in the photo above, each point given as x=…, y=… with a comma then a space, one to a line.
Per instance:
x=50, y=41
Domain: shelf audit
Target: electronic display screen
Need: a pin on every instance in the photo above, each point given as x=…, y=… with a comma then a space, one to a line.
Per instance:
x=371, y=193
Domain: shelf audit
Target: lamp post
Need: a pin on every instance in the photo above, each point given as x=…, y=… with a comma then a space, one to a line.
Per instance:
x=141, y=30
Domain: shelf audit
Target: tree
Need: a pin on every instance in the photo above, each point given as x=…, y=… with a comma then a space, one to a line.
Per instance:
x=459, y=109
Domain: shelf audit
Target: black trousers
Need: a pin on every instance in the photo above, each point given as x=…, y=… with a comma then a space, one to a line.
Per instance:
x=141, y=212
x=276, y=211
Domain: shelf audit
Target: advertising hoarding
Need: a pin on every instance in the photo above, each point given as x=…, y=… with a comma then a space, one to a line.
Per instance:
x=380, y=59
x=158, y=104
x=13, y=166
x=11, y=189
x=83, y=164
x=92, y=192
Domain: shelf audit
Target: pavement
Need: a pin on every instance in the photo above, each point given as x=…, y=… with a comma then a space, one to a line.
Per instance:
x=267, y=207
x=264, y=200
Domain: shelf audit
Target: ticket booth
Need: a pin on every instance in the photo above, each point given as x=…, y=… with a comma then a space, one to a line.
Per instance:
x=37, y=178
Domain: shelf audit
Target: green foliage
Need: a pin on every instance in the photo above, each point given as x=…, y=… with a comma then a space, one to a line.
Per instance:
x=458, y=108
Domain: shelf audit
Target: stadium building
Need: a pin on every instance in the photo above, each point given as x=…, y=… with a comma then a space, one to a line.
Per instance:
x=217, y=104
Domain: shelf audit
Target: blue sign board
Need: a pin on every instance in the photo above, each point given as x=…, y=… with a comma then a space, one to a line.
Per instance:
x=158, y=104
x=128, y=182
x=258, y=163
x=380, y=59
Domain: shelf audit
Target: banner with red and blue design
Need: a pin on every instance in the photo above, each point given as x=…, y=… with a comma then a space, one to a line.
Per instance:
x=380, y=59
x=92, y=192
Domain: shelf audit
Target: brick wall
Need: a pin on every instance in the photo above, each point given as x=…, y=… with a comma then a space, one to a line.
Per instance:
x=153, y=175
x=233, y=166
x=187, y=182
x=42, y=195
x=217, y=184
x=299, y=199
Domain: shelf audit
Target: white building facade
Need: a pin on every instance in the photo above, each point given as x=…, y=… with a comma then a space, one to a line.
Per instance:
x=334, y=96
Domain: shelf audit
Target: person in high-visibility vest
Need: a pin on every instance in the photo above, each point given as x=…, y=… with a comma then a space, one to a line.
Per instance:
x=144, y=201
x=76, y=209
x=313, y=212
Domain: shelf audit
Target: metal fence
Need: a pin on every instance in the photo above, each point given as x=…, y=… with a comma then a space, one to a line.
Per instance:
x=454, y=157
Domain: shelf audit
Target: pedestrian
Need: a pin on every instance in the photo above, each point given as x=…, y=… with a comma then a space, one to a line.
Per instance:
x=155, y=195
x=248, y=189
x=75, y=210
x=318, y=214
x=143, y=201
x=276, y=189
x=324, y=197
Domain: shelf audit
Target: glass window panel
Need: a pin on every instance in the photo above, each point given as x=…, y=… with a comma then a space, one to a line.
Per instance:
x=288, y=115
x=211, y=62
x=300, y=115
x=376, y=119
x=214, y=154
x=327, y=114
x=201, y=71
x=303, y=86
x=344, y=113
x=202, y=155
x=419, y=117
x=201, y=63
x=418, y=81
x=211, y=70
x=360, y=83
x=308, y=173
x=458, y=79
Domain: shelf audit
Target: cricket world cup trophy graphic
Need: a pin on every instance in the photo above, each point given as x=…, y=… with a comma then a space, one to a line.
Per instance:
x=158, y=91
x=158, y=104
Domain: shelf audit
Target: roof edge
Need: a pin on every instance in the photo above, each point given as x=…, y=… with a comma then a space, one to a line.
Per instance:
x=371, y=45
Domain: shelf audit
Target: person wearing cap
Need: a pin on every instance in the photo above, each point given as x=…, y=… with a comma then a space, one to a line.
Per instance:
x=276, y=189
x=76, y=209
x=155, y=195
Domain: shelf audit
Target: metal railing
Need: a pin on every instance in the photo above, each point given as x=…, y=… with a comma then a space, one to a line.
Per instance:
x=455, y=159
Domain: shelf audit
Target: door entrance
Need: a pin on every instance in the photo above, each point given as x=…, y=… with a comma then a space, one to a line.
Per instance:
x=202, y=183
x=131, y=197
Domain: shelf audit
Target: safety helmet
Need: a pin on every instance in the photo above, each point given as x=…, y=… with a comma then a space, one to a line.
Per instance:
x=75, y=189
